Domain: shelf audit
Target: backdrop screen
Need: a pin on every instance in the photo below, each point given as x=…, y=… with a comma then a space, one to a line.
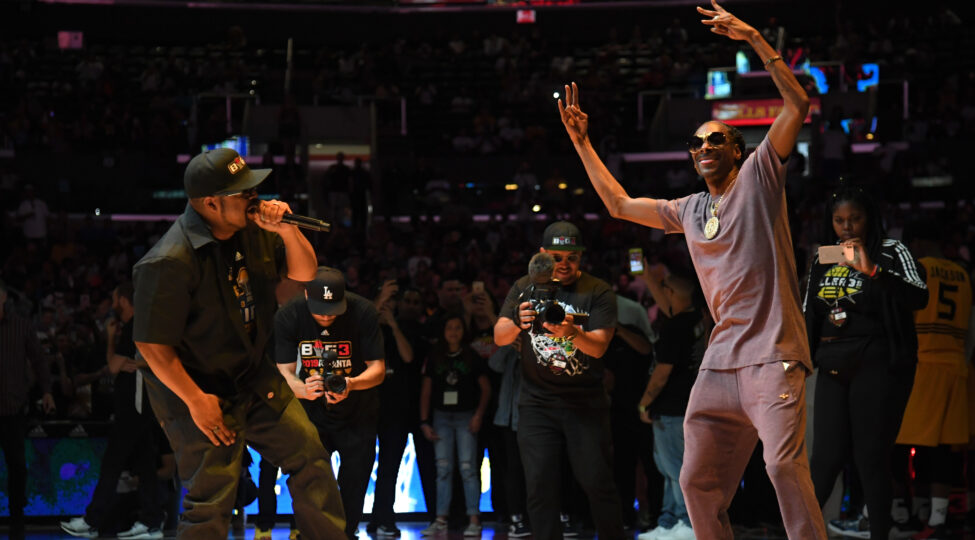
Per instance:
x=62, y=473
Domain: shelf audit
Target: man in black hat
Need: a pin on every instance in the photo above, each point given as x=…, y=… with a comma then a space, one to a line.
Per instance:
x=562, y=403
x=204, y=306
x=335, y=335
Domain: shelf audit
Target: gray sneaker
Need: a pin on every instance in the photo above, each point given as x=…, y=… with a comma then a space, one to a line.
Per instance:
x=858, y=527
x=435, y=528
x=77, y=526
x=141, y=531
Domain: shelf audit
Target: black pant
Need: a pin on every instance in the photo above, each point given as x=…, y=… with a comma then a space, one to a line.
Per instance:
x=267, y=499
x=543, y=433
x=132, y=446
x=13, y=431
x=211, y=473
x=860, y=419
x=393, y=435
x=514, y=477
x=627, y=432
x=355, y=441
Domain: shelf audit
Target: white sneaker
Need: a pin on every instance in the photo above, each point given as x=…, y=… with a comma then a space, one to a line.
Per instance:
x=678, y=532
x=141, y=531
x=77, y=526
x=654, y=533
x=472, y=529
x=436, y=528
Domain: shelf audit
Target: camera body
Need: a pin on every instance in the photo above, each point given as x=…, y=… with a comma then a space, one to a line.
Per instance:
x=322, y=365
x=547, y=309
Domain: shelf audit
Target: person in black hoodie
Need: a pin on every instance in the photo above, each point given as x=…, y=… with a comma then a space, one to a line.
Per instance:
x=859, y=318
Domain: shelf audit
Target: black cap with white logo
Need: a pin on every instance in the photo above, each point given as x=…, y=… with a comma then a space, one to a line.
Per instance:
x=326, y=293
x=562, y=236
x=220, y=172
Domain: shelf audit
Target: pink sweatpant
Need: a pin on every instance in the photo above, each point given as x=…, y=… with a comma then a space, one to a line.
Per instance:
x=728, y=412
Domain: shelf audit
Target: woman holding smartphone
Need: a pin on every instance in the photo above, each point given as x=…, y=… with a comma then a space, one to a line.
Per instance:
x=859, y=317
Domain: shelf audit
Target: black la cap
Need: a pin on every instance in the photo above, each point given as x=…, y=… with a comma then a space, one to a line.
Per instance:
x=326, y=293
x=220, y=172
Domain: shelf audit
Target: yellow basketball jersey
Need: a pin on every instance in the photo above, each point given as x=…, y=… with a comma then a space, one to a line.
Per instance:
x=943, y=324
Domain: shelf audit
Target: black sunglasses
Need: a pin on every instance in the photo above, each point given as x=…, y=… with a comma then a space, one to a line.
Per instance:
x=570, y=258
x=245, y=194
x=715, y=138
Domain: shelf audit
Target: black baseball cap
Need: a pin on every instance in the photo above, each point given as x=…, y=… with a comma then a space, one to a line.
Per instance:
x=326, y=293
x=220, y=172
x=562, y=236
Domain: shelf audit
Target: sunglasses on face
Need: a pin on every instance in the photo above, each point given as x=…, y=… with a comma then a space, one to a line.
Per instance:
x=571, y=258
x=715, y=138
x=246, y=194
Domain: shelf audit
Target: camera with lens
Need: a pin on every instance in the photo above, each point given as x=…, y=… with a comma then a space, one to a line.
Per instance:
x=547, y=309
x=322, y=365
x=541, y=295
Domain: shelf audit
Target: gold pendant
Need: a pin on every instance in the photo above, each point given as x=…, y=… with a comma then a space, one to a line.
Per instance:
x=711, y=228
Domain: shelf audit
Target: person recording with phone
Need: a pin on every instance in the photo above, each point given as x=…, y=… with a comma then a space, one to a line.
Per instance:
x=859, y=317
x=751, y=383
x=396, y=416
x=563, y=404
x=336, y=337
x=204, y=306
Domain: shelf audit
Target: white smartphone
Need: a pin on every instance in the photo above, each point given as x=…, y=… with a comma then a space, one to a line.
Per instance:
x=836, y=254
x=636, y=261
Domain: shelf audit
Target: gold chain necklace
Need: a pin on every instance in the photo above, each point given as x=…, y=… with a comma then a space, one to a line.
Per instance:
x=712, y=225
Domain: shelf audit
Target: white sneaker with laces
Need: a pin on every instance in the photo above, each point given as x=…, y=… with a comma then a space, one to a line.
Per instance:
x=472, y=529
x=141, y=531
x=678, y=532
x=77, y=526
x=654, y=533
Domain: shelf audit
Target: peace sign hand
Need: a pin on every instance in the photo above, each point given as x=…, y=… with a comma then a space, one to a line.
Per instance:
x=724, y=23
x=576, y=122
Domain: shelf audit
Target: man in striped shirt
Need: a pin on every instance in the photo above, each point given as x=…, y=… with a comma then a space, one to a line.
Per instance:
x=19, y=352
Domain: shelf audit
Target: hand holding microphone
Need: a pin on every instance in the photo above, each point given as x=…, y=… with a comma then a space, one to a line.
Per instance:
x=272, y=215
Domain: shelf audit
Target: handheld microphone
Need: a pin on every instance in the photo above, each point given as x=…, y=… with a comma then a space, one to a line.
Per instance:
x=303, y=222
x=540, y=268
x=306, y=222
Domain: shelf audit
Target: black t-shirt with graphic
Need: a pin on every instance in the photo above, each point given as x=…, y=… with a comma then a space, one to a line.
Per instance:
x=848, y=303
x=557, y=374
x=453, y=378
x=678, y=335
x=239, y=278
x=354, y=336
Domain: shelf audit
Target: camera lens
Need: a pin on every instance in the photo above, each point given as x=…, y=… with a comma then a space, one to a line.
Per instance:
x=553, y=313
x=335, y=384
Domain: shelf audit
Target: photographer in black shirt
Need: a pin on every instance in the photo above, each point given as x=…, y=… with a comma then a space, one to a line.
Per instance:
x=335, y=335
x=563, y=403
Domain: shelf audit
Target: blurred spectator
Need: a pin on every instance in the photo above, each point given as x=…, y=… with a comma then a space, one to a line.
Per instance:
x=33, y=214
x=19, y=355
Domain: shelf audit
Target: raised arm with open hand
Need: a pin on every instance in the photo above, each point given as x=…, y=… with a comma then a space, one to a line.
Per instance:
x=619, y=204
x=785, y=129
